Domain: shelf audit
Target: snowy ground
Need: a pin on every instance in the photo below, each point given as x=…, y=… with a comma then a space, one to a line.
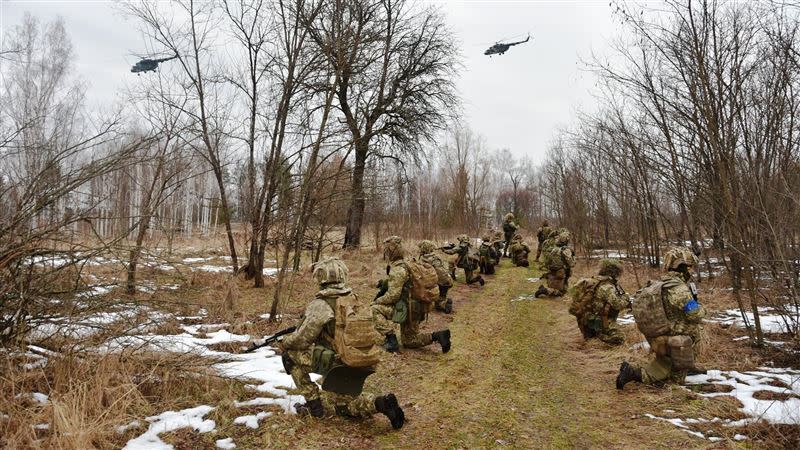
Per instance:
x=767, y=394
x=262, y=369
x=771, y=321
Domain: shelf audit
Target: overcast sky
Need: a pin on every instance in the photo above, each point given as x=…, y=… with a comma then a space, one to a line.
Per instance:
x=517, y=100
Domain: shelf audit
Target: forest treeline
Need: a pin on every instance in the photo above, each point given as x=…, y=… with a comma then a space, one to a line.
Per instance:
x=314, y=124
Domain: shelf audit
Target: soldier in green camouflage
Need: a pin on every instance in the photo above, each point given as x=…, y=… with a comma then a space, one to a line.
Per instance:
x=498, y=242
x=427, y=254
x=465, y=259
x=550, y=241
x=318, y=329
x=541, y=235
x=397, y=306
x=509, y=229
x=488, y=256
x=685, y=315
x=597, y=312
x=519, y=251
x=559, y=261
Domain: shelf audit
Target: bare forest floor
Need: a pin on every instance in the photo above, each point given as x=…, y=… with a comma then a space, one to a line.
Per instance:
x=519, y=376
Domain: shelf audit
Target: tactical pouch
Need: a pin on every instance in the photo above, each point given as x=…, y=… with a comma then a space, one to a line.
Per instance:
x=418, y=311
x=400, y=312
x=322, y=359
x=681, y=352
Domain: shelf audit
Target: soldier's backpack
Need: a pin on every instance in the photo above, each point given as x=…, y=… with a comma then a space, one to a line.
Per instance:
x=553, y=259
x=355, y=338
x=424, y=281
x=508, y=227
x=582, y=294
x=648, y=309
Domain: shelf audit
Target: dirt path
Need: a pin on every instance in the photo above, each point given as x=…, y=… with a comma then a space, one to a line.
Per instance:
x=519, y=375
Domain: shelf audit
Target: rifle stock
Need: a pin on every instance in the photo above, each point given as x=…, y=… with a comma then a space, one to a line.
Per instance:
x=270, y=340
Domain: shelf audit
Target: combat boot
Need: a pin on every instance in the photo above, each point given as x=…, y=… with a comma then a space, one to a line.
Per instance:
x=391, y=345
x=313, y=408
x=481, y=281
x=443, y=338
x=628, y=373
x=541, y=291
x=448, y=307
x=388, y=406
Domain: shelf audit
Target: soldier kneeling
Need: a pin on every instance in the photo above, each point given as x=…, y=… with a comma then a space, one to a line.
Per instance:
x=597, y=301
x=519, y=252
x=319, y=346
x=669, y=316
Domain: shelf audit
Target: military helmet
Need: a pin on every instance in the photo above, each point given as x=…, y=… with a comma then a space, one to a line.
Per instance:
x=462, y=238
x=545, y=223
x=553, y=234
x=562, y=239
x=611, y=267
x=509, y=216
x=485, y=238
x=426, y=247
x=329, y=270
x=677, y=256
x=393, y=248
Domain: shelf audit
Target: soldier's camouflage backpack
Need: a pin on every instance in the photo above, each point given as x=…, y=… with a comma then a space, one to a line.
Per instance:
x=424, y=281
x=355, y=338
x=582, y=294
x=554, y=259
x=648, y=309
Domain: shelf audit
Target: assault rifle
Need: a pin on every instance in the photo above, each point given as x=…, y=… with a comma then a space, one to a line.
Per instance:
x=270, y=340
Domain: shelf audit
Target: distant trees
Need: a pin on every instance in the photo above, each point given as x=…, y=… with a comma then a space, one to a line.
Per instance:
x=51, y=152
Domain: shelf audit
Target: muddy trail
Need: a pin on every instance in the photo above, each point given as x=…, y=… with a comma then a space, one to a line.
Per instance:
x=519, y=376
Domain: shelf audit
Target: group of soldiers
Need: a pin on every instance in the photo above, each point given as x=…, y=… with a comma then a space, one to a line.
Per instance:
x=597, y=302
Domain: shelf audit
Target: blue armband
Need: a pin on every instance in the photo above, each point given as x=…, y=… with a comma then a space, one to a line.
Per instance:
x=691, y=306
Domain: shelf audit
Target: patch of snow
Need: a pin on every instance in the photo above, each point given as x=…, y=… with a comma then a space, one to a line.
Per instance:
x=534, y=280
x=171, y=421
x=95, y=291
x=41, y=398
x=214, y=269
x=746, y=384
x=740, y=437
x=225, y=444
x=251, y=421
x=626, y=319
x=644, y=345
x=771, y=321
x=123, y=428
x=42, y=426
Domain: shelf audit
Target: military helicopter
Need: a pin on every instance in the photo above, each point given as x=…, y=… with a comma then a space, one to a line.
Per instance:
x=500, y=48
x=149, y=65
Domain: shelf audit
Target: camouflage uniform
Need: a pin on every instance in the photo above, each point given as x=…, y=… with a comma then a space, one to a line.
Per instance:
x=550, y=242
x=498, y=242
x=465, y=259
x=687, y=323
x=519, y=252
x=509, y=229
x=427, y=250
x=317, y=329
x=599, y=319
x=541, y=235
x=560, y=260
x=384, y=306
x=488, y=256
x=685, y=315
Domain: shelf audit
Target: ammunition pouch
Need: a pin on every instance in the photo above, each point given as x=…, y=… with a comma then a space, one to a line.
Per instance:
x=400, y=312
x=322, y=359
x=681, y=352
x=418, y=311
x=288, y=364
